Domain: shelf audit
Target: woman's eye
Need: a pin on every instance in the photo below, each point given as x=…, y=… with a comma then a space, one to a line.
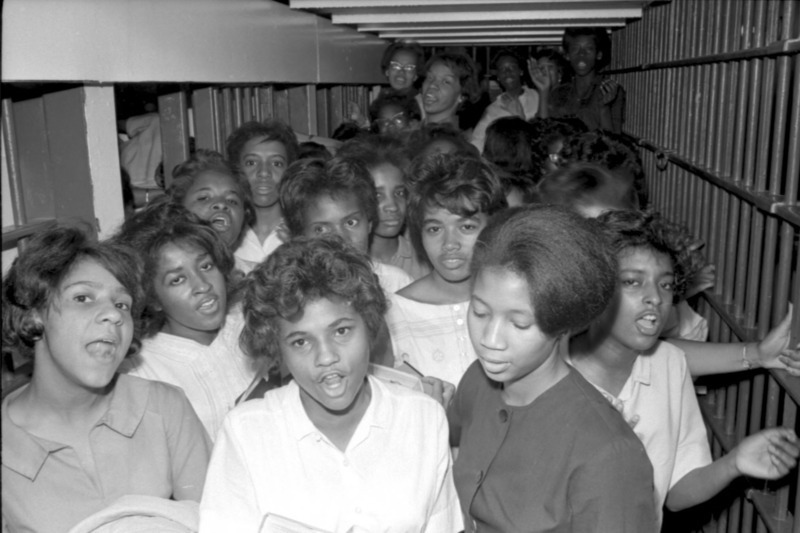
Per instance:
x=629, y=282
x=250, y=163
x=233, y=201
x=81, y=298
x=344, y=330
x=668, y=285
x=479, y=314
x=177, y=280
x=205, y=267
x=522, y=327
x=432, y=229
x=278, y=164
x=125, y=306
x=299, y=343
x=401, y=193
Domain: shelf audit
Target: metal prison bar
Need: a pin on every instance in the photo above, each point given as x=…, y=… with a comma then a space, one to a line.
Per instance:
x=713, y=92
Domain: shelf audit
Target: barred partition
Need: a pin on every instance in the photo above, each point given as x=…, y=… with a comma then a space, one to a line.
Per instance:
x=713, y=92
x=216, y=111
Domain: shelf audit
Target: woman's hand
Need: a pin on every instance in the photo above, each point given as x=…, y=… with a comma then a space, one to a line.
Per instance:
x=439, y=390
x=769, y=454
x=774, y=350
x=608, y=90
x=703, y=280
x=539, y=76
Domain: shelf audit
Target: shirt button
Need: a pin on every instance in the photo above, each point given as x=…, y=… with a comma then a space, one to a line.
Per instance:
x=460, y=321
x=358, y=510
x=503, y=416
x=346, y=463
x=405, y=357
x=456, y=308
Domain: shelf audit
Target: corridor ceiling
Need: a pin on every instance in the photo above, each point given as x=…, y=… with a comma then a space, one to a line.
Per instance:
x=474, y=22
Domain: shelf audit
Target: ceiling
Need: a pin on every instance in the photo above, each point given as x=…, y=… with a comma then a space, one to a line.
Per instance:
x=474, y=22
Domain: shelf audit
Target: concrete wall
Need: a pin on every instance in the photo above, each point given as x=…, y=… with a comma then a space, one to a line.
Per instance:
x=214, y=41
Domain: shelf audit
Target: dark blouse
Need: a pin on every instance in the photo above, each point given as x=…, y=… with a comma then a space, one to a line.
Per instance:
x=565, y=462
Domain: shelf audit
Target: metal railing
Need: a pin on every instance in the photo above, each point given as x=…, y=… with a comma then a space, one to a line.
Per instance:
x=714, y=102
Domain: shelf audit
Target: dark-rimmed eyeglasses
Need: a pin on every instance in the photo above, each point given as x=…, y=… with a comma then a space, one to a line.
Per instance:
x=394, y=65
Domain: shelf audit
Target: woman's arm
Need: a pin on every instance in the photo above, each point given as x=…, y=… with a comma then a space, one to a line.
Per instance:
x=769, y=454
x=719, y=358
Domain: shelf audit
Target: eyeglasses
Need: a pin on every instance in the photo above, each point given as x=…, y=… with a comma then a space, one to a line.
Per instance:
x=394, y=65
x=398, y=120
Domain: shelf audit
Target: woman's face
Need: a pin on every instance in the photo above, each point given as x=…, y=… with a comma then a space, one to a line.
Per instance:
x=326, y=349
x=502, y=327
x=215, y=197
x=87, y=328
x=402, y=71
x=191, y=291
x=392, y=200
x=441, y=93
x=263, y=162
x=448, y=239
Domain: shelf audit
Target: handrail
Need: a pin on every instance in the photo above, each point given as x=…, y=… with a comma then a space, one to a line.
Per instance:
x=13, y=234
x=778, y=48
x=773, y=204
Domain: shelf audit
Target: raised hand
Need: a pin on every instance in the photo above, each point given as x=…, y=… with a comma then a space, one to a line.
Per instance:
x=774, y=350
x=539, y=76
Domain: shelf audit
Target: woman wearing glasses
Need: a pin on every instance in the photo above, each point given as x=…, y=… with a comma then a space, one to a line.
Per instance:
x=400, y=64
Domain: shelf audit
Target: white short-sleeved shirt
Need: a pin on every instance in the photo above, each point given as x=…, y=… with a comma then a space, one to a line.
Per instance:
x=251, y=251
x=395, y=475
x=658, y=401
x=391, y=278
x=212, y=376
x=432, y=338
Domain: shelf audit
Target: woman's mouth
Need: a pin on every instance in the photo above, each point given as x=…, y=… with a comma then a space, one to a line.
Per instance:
x=209, y=305
x=221, y=222
x=649, y=324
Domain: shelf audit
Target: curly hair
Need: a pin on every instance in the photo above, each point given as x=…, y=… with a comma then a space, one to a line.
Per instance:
x=650, y=230
x=509, y=145
x=522, y=182
x=462, y=185
x=399, y=46
x=546, y=131
x=609, y=150
x=34, y=277
x=419, y=140
x=184, y=175
x=307, y=180
x=376, y=150
x=157, y=225
x=583, y=184
x=299, y=272
x=464, y=68
x=565, y=260
x=270, y=130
